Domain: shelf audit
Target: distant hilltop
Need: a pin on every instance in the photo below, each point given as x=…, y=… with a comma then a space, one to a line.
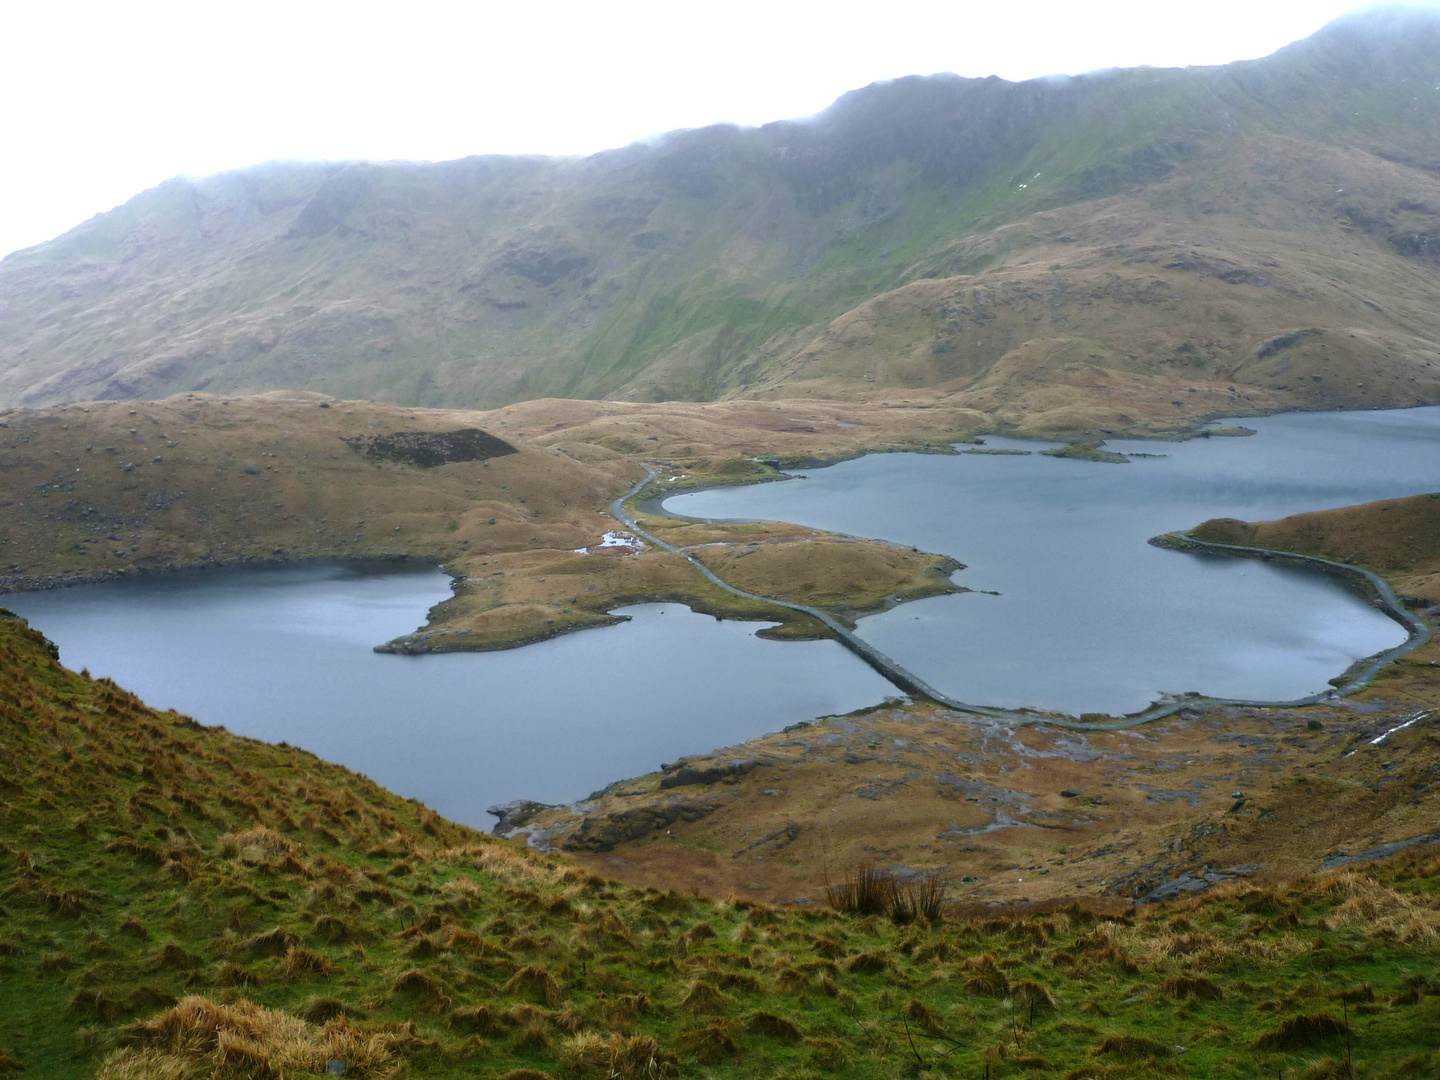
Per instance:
x=1059, y=253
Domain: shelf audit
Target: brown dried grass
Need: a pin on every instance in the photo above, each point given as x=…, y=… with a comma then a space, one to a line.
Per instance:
x=1298, y=1032
x=200, y=1038
x=616, y=1057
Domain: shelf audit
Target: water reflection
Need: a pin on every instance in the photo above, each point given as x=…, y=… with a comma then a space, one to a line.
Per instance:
x=1088, y=617
x=285, y=654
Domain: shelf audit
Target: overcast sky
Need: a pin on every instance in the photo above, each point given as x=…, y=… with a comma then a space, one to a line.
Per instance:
x=103, y=100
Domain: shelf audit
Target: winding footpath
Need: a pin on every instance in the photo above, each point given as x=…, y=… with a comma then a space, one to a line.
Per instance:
x=912, y=684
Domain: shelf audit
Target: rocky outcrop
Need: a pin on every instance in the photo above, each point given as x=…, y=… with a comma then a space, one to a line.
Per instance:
x=430, y=448
x=688, y=774
x=1196, y=881
x=601, y=833
x=515, y=814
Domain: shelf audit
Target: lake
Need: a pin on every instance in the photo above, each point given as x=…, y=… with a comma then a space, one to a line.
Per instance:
x=1086, y=616
x=285, y=654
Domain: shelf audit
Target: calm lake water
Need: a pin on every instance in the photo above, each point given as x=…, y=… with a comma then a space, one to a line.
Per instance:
x=1088, y=617
x=285, y=654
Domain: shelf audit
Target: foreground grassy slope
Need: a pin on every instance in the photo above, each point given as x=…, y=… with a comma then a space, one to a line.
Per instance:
x=1070, y=254
x=179, y=902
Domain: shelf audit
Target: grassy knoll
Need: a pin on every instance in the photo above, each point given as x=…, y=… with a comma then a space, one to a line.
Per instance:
x=1399, y=539
x=180, y=902
x=103, y=488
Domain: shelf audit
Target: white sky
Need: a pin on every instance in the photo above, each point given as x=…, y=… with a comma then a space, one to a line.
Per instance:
x=99, y=101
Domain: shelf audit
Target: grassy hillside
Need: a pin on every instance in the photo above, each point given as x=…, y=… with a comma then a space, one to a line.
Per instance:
x=106, y=488
x=179, y=902
x=1399, y=538
x=1080, y=253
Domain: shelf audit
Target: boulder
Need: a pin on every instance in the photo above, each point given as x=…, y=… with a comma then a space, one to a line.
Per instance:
x=688, y=774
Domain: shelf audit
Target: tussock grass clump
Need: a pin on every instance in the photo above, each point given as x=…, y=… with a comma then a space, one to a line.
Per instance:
x=1131, y=1047
x=1033, y=997
x=867, y=963
x=827, y=947
x=232, y=974
x=827, y=1054
x=928, y=1019
x=616, y=1057
x=982, y=975
x=418, y=983
x=480, y=1019
x=171, y=957
x=301, y=964
x=132, y=927
x=534, y=979
x=334, y=930
x=199, y=1037
x=866, y=890
x=275, y=942
x=88, y=1001
x=704, y=998
x=260, y=844
x=709, y=1045
x=320, y=1009
x=1300, y=1032
x=792, y=980
x=1187, y=987
x=772, y=1026
x=873, y=891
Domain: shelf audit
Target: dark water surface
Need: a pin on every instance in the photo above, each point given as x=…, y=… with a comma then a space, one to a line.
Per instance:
x=1089, y=617
x=285, y=654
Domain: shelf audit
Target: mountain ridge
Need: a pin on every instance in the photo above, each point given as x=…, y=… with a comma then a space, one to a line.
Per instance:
x=714, y=262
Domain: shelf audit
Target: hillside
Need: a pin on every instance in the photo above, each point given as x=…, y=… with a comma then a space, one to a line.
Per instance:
x=1399, y=538
x=1122, y=250
x=513, y=503
x=180, y=902
x=1035, y=812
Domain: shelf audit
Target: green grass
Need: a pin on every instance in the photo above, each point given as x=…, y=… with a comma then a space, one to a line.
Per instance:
x=178, y=901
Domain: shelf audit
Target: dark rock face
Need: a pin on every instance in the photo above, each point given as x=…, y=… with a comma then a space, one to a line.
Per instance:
x=430, y=448
x=1196, y=881
x=688, y=774
x=602, y=834
x=1284, y=341
x=1341, y=858
x=514, y=814
x=1418, y=245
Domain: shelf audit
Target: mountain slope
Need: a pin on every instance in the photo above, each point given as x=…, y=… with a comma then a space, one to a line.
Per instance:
x=1149, y=229
x=183, y=903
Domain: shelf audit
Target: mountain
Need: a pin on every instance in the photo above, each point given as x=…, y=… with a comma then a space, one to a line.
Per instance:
x=1058, y=253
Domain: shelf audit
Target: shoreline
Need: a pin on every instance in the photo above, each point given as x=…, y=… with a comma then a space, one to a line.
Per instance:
x=45, y=583
x=1364, y=669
